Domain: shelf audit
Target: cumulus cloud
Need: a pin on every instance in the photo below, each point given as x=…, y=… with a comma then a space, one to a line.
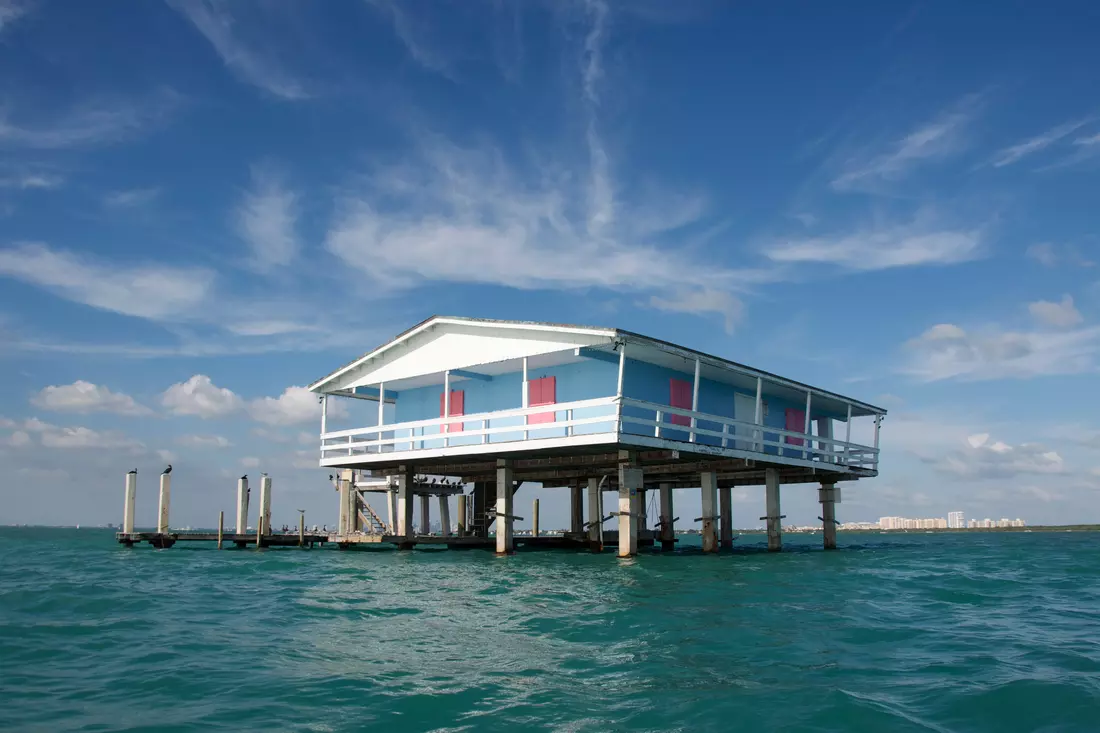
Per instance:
x=85, y=397
x=981, y=457
x=1058, y=315
x=947, y=351
x=199, y=396
x=294, y=406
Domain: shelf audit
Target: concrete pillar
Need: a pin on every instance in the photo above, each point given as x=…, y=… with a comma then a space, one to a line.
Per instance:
x=576, y=510
x=709, y=488
x=391, y=510
x=726, y=521
x=444, y=515
x=481, y=506
x=129, y=500
x=630, y=483
x=165, y=501
x=425, y=514
x=405, y=508
x=221, y=528
x=668, y=529
x=461, y=515
x=343, y=525
x=774, y=517
x=265, y=504
x=595, y=515
x=828, y=495
x=504, y=506
x=242, y=505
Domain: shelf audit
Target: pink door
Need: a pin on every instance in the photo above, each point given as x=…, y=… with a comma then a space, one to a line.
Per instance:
x=796, y=421
x=679, y=395
x=542, y=392
x=457, y=407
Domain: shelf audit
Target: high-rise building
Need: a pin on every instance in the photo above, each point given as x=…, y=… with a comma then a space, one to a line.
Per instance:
x=955, y=520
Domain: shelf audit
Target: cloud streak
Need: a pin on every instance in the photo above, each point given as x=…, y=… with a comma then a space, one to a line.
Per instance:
x=1019, y=151
x=266, y=220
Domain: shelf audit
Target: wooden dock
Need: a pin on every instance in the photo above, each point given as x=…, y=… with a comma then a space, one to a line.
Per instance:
x=167, y=539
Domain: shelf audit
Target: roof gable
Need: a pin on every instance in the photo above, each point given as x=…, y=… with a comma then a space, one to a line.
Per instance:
x=444, y=343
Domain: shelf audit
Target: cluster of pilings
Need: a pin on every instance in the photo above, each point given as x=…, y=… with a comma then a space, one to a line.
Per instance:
x=164, y=537
x=716, y=522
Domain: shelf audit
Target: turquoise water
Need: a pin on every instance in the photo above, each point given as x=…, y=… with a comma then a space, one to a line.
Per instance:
x=959, y=632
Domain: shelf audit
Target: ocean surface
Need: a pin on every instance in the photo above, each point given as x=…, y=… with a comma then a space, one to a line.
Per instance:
x=913, y=632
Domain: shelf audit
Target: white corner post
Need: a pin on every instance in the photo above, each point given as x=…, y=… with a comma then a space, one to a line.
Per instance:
x=165, y=501
x=535, y=519
x=758, y=416
x=878, y=428
x=525, y=398
x=828, y=495
x=129, y=501
x=668, y=529
x=631, y=481
x=242, y=505
x=773, y=518
x=461, y=510
x=709, y=488
x=425, y=514
x=446, y=427
x=265, y=505
x=444, y=515
x=825, y=446
x=595, y=515
x=848, y=437
x=405, y=508
x=504, y=506
x=694, y=402
x=324, y=422
x=807, y=443
x=381, y=420
x=725, y=496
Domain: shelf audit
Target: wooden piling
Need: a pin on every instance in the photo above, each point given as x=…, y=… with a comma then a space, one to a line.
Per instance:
x=461, y=515
x=535, y=519
x=301, y=530
x=221, y=528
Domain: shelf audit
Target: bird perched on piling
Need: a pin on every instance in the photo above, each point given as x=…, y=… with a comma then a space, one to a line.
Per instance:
x=131, y=472
x=245, y=477
x=167, y=470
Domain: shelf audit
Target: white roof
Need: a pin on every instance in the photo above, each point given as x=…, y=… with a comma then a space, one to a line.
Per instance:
x=421, y=354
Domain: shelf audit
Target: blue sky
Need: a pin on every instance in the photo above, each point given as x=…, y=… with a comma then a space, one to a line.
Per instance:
x=206, y=205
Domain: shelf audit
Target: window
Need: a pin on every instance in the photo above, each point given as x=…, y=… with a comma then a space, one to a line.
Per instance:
x=679, y=395
x=457, y=406
x=542, y=392
x=796, y=422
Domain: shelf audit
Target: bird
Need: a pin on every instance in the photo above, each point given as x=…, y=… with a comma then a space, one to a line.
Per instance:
x=330, y=477
x=245, y=477
x=131, y=472
x=168, y=470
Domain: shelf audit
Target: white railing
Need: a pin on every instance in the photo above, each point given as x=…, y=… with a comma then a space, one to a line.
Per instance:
x=744, y=435
x=570, y=418
x=602, y=415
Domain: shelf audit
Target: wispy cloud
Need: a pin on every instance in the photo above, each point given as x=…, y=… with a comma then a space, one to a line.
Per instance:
x=30, y=178
x=981, y=458
x=702, y=301
x=266, y=219
x=1014, y=153
x=261, y=69
x=947, y=351
x=130, y=198
x=100, y=121
x=938, y=138
x=1050, y=254
x=11, y=11
x=1063, y=314
x=416, y=33
x=146, y=291
x=882, y=246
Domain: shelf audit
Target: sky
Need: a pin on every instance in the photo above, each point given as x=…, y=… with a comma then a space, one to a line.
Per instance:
x=205, y=206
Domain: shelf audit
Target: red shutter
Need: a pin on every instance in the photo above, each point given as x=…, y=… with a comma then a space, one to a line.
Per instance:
x=542, y=392
x=796, y=421
x=679, y=395
x=457, y=408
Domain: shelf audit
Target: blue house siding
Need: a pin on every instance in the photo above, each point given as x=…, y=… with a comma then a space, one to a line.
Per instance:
x=574, y=382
